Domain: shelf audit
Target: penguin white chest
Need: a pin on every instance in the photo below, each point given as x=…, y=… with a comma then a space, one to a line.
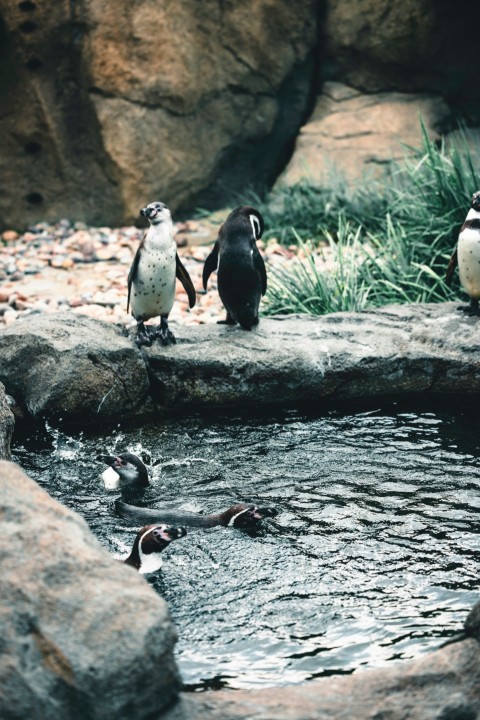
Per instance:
x=469, y=261
x=153, y=289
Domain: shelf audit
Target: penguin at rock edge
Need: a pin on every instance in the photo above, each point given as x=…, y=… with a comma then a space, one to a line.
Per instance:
x=467, y=257
x=151, y=280
x=242, y=277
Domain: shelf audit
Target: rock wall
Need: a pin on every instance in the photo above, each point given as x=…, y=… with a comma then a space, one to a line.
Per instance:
x=404, y=45
x=83, y=636
x=108, y=104
x=352, y=135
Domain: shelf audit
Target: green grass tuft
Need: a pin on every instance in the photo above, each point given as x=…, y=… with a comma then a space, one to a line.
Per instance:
x=389, y=245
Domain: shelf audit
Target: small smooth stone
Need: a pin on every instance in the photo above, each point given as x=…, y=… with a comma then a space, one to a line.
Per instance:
x=9, y=236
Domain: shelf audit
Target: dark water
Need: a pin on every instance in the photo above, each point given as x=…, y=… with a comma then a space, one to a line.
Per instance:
x=374, y=556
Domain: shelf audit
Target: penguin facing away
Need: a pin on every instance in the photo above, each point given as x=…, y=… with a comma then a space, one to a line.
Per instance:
x=467, y=256
x=242, y=277
x=151, y=280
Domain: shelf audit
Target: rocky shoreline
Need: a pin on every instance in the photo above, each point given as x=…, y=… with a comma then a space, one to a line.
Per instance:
x=81, y=369
x=85, y=370
x=85, y=636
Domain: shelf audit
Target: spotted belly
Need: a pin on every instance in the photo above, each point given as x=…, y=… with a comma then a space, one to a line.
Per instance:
x=469, y=261
x=153, y=289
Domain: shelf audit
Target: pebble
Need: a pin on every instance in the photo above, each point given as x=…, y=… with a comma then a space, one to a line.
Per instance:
x=70, y=265
x=9, y=236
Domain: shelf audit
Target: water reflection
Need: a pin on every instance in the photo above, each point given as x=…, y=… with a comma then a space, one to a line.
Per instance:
x=373, y=557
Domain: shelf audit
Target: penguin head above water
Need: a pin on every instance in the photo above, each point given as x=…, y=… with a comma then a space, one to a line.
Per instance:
x=125, y=471
x=148, y=545
x=476, y=201
x=156, y=213
x=242, y=516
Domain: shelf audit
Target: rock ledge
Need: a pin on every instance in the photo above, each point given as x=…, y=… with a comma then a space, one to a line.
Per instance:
x=80, y=368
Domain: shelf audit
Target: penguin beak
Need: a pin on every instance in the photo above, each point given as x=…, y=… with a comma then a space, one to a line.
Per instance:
x=268, y=511
x=176, y=533
x=109, y=459
x=169, y=533
x=144, y=212
x=255, y=513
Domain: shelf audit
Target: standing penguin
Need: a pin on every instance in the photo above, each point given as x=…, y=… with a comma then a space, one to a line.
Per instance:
x=242, y=278
x=467, y=256
x=151, y=280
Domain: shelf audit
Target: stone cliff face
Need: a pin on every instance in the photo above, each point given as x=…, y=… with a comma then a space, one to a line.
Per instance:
x=107, y=105
x=406, y=46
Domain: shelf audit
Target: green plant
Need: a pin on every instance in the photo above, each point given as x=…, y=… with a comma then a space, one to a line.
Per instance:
x=387, y=245
x=320, y=284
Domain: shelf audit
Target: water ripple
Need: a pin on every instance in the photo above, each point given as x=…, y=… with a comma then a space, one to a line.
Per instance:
x=373, y=557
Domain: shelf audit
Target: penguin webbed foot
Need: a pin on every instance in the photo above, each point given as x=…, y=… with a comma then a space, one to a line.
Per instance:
x=145, y=335
x=250, y=325
x=228, y=320
x=473, y=310
x=165, y=335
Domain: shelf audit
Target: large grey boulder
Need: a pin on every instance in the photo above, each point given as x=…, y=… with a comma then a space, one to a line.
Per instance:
x=298, y=360
x=83, y=636
x=83, y=369
x=444, y=685
x=73, y=367
x=6, y=426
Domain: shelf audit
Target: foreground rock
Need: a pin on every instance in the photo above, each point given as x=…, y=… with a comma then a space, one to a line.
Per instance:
x=6, y=426
x=353, y=135
x=444, y=685
x=81, y=632
x=72, y=366
x=84, y=369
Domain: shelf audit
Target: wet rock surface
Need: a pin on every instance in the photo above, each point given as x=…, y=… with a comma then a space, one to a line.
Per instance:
x=444, y=685
x=71, y=366
x=6, y=425
x=83, y=636
x=81, y=368
x=300, y=359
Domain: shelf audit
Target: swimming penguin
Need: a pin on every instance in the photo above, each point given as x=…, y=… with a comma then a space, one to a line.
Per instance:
x=125, y=471
x=240, y=515
x=148, y=545
x=242, y=278
x=151, y=280
x=467, y=256
x=128, y=474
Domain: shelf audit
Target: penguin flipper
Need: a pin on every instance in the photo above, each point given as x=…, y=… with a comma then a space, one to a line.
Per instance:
x=186, y=281
x=133, y=272
x=211, y=264
x=451, y=267
x=260, y=268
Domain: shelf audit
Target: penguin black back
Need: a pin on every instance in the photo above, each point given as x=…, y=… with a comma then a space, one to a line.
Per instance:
x=242, y=278
x=240, y=515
